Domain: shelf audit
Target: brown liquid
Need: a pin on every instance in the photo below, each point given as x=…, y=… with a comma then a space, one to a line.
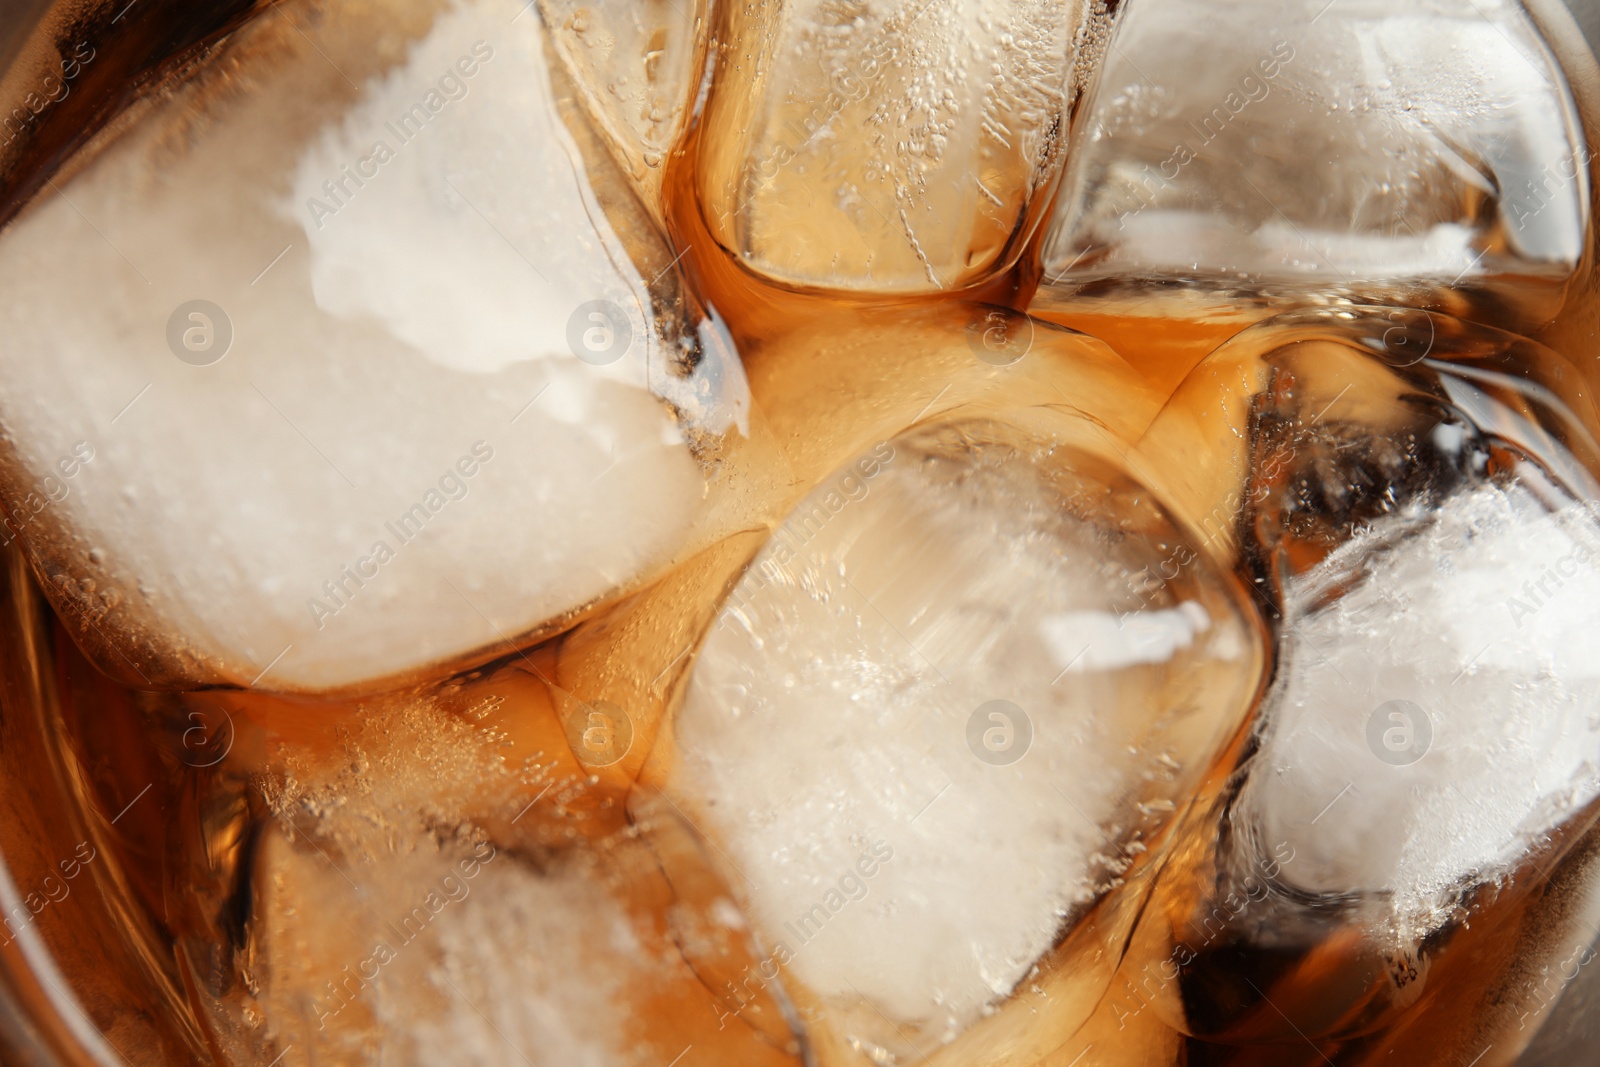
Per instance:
x=252, y=852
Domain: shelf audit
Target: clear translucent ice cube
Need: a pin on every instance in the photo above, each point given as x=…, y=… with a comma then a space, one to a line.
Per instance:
x=1296, y=143
x=451, y=336
x=893, y=145
x=944, y=713
x=638, y=64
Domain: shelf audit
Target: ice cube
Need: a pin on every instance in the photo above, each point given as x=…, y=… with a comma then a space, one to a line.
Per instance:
x=394, y=890
x=348, y=374
x=953, y=704
x=638, y=64
x=892, y=145
x=1444, y=711
x=1400, y=485
x=1442, y=553
x=513, y=966
x=1307, y=146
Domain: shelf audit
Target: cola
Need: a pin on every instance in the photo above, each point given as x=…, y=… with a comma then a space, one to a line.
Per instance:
x=988, y=533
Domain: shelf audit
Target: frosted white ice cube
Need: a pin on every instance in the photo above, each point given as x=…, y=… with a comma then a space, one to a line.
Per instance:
x=1437, y=716
x=376, y=446
x=940, y=710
